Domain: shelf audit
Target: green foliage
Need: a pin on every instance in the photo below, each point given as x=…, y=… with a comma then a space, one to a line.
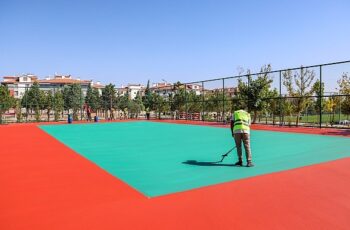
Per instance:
x=318, y=89
x=58, y=104
x=159, y=104
x=49, y=103
x=109, y=99
x=123, y=102
x=179, y=98
x=194, y=104
x=34, y=99
x=251, y=93
x=147, y=99
x=271, y=105
x=6, y=100
x=299, y=86
x=66, y=98
x=136, y=106
x=216, y=101
x=288, y=108
x=344, y=88
x=93, y=98
x=18, y=109
x=73, y=99
x=76, y=99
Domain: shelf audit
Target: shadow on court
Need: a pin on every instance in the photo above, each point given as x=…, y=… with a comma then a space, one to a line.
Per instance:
x=205, y=163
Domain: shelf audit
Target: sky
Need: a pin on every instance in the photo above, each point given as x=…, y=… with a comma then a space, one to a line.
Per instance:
x=123, y=42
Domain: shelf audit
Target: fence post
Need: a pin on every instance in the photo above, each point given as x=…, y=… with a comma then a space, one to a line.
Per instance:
x=280, y=100
x=202, y=101
x=320, y=92
x=81, y=104
x=186, y=100
x=223, y=100
x=248, y=75
x=26, y=94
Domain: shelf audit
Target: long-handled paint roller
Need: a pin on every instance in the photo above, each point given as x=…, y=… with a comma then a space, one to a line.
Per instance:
x=226, y=154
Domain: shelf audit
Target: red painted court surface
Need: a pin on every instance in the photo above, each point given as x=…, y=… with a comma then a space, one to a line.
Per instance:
x=46, y=185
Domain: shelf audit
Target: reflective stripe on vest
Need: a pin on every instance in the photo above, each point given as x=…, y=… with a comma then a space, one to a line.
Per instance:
x=241, y=120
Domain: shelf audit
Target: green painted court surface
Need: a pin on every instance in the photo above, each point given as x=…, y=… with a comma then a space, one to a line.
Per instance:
x=162, y=158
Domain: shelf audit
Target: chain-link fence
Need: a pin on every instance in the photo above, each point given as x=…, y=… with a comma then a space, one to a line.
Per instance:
x=313, y=96
x=310, y=96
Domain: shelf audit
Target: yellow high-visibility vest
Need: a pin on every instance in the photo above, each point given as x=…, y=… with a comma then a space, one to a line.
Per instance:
x=241, y=120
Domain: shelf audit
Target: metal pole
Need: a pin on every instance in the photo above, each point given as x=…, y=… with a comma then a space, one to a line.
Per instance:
x=202, y=101
x=223, y=100
x=186, y=100
x=280, y=100
x=248, y=91
x=81, y=105
x=320, y=92
x=339, y=99
x=26, y=94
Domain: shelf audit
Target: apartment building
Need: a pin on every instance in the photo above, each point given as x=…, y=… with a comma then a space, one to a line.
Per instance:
x=19, y=84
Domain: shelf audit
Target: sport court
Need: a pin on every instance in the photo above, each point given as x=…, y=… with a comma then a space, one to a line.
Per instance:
x=161, y=158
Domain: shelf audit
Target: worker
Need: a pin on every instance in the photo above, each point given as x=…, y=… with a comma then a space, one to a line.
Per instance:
x=240, y=129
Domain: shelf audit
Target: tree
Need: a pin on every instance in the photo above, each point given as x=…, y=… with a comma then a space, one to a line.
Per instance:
x=194, y=102
x=109, y=98
x=251, y=93
x=19, y=115
x=318, y=89
x=331, y=104
x=6, y=100
x=24, y=102
x=271, y=104
x=147, y=99
x=179, y=98
x=216, y=101
x=49, y=103
x=58, y=104
x=288, y=108
x=75, y=99
x=299, y=86
x=123, y=103
x=35, y=99
x=92, y=98
x=136, y=105
x=159, y=105
x=344, y=89
x=66, y=98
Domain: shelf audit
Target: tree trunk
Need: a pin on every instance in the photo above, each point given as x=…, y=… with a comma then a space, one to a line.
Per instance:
x=48, y=115
x=255, y=116
x=297, y=119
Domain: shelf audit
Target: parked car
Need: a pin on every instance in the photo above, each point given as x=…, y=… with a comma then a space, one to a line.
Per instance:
x=344, y=122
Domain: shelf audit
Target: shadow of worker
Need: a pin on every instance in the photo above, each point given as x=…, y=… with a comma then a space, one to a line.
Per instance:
x=205, y=163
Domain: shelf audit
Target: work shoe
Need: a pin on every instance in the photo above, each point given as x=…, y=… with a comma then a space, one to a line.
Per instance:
x=238, y=163
x=250, y=164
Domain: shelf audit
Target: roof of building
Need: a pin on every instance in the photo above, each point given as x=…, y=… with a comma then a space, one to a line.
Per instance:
x=98, y=86
x=64, y=81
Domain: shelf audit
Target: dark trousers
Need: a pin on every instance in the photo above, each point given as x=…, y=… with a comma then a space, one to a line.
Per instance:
x=245, y=138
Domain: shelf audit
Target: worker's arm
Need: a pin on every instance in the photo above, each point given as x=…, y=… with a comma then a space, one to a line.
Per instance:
x=232, y=124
